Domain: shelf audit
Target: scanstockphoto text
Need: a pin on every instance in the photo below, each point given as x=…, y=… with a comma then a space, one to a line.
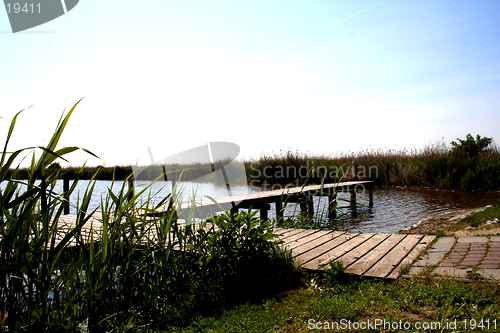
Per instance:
x=382, y=324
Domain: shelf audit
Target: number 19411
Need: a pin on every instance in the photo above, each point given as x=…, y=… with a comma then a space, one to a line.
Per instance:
x=16, y=8
x=480, y=324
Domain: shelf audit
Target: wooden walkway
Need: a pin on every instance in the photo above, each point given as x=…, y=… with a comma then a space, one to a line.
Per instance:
x=369, y=254
x=302, y=195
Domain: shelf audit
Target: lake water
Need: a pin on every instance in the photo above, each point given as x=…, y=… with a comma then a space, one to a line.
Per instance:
x=394, y=208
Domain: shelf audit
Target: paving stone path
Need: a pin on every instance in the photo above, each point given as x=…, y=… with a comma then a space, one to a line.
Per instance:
x=457, y=257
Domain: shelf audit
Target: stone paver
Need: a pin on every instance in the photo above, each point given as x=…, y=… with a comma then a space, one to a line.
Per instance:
x=452, y=272
x=490, y=273
x=458, y=257
x=475, y=239
x=437, y=252
x=416, y=270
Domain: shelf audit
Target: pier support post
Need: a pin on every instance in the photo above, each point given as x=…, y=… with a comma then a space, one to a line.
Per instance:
x=370, y=196
x=306, y=205
x=332, y=205
x=353, y=200
x=310, y=208
x=279, y=212
x=66, y=193
x=263, y=212
x=303, y=206
x=234, y=210
x=131, y=190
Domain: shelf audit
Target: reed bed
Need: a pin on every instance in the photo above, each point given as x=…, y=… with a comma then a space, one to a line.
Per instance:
x=122, y=276
x=469, y=164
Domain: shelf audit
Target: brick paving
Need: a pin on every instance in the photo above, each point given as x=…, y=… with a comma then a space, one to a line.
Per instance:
x=460, y=256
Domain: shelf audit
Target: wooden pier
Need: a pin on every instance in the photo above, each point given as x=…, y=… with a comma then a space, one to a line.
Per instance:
x=369, y=254
x=302, y=195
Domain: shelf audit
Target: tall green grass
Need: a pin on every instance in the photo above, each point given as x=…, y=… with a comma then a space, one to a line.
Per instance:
x=465, y=164
x=137, y=268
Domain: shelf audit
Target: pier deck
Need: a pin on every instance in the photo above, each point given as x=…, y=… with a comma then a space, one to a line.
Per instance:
x=369, y=254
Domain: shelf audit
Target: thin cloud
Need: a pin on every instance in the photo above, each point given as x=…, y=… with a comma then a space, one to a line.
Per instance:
x=321, y=30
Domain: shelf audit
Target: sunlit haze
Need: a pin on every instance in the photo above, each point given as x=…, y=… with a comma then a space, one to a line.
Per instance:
x=321, y=77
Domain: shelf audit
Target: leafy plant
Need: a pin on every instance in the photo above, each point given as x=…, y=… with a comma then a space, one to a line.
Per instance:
x=334, y=274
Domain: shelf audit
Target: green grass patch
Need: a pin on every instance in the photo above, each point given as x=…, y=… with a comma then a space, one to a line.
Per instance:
x=480, y=218
x=359, y=300
x=440, y=233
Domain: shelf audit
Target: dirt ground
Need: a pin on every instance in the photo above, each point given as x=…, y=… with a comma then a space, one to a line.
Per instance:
x=449, y=223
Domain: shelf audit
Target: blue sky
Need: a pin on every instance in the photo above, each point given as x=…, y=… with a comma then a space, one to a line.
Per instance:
x=319, y=76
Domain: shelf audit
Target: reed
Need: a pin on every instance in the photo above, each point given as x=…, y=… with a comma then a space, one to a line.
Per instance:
x=140, y=270
x=472, y=163
x=465, y=164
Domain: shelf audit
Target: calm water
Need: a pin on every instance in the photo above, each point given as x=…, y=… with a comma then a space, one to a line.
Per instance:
x=394, y=208
x=397, y=209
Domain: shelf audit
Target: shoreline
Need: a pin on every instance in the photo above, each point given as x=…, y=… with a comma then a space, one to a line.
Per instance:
x=452, y=224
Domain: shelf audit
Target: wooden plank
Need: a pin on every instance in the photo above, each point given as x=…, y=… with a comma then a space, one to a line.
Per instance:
x=325, y=247
x=281, y=231
x=387, y=264
x=296, y=237
x=324, y=259
x=292, y=233
x=311, y=237
x=315, y=243
x=422, y=245
x=352, y=256
x=371, y=258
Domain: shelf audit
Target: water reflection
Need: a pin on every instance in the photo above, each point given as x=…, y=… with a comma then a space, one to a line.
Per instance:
x=397, y=209
x=394, y=208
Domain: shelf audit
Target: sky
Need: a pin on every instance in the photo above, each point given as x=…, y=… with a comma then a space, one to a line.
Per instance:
x=317, y=76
